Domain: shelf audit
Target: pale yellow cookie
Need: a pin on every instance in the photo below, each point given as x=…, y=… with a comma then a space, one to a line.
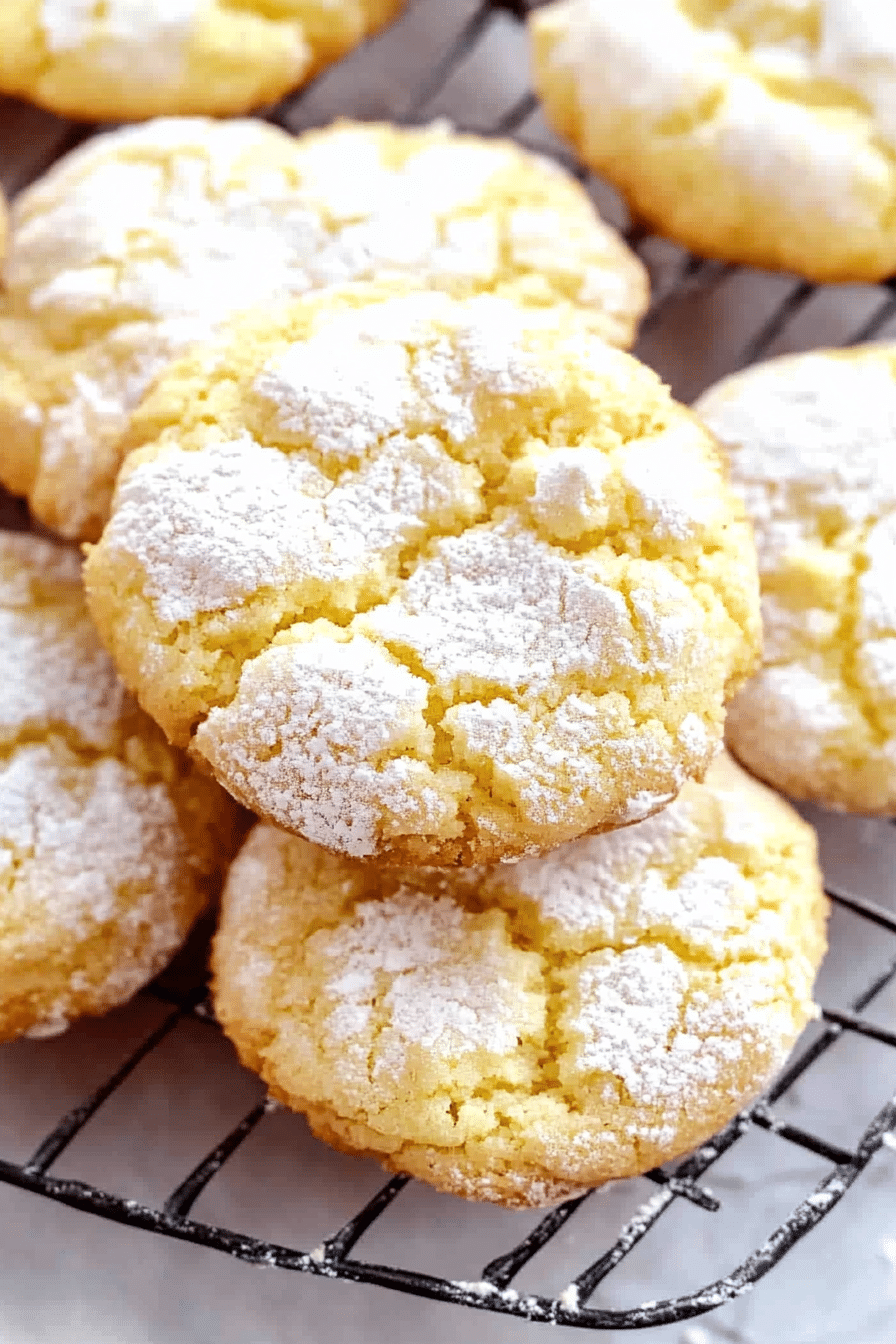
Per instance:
x=434, y=580
x=110, y=842
x=811, y=440
x=758, y=131
x=521, y=1033
x=147, y=239
x=122, y=60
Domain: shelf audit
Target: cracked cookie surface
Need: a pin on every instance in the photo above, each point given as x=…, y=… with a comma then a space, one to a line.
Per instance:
x=110, y=842
x=123, y=60
x=757, y=131
x=432, y=580
x=521, y=1033
x=147, y=239
x=811, y=441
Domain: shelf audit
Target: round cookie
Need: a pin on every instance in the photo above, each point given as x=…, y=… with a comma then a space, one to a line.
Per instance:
x=110, y=842
x=147, y=239
x=427, y=579
x=757, y=131
x=522, y=1033
x=811, y=440
x=128, y=59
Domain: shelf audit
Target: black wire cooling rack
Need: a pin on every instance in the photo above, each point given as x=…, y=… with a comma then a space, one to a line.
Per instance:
x=491, y=1287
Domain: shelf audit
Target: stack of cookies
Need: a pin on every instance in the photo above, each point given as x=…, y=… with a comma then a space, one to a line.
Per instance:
x=397, y=549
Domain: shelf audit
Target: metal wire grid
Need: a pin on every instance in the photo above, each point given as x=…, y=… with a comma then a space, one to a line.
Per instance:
x=492, y=1289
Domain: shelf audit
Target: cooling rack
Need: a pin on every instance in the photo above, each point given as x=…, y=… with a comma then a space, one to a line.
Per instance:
x=491, y=1287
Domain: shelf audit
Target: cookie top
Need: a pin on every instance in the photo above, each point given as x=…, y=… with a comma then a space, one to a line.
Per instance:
x=110, y=842
x=520, y=1033
x=146, y=239
x=811, y=441
x=129, y=59
x=436, y=580
x=761, y=131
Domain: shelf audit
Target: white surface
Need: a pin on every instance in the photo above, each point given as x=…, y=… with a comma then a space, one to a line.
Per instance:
x=66, y=1278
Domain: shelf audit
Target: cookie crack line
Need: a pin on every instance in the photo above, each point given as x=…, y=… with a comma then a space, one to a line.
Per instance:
x=846, y=641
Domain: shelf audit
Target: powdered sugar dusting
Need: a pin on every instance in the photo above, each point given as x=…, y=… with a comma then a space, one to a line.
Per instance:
x=630, y=1006
x=641, y=1017
x=665, y=874
x=439, y=997
x=53, y=670
x=320, y=735
x=150, y=238
x=569, y=497
x=809, y=439
x=747, y=74
x=155, y=31
x=676, y=486
x=343, y=392
x=212, y=527
x=811, y=444
x=436, y=1018
x=354, y=380
x=498, y=606
x=79, y=838
x=397, y=503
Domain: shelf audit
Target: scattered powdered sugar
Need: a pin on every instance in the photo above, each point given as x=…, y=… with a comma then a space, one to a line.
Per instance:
x=357, y=377
x=643, y=804
x=150, y=238
x=152, y=33
x=793, y=698
x=445, y=994
x=705, y=908
x=499, y=606
x=639, y=1019
x=675, y=484
x=694, y=736
x=877, y=589
x=53, y=670
x=811, y=444
x=340, y=390
x=595, y=883
x=212, y=527
x=345, y=171
x=612, y=887
x=29, y=566
x=321, y=736
x=657, y=62
x=569, y=497
x=628, y=1022
x=90, y=845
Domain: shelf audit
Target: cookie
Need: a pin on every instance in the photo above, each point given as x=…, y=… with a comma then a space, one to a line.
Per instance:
x=812, y=444
x=521, y=1033
x=128, y=59
x=758, y=131
x=428, y=579
x=110, y=842
x=147, y=239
